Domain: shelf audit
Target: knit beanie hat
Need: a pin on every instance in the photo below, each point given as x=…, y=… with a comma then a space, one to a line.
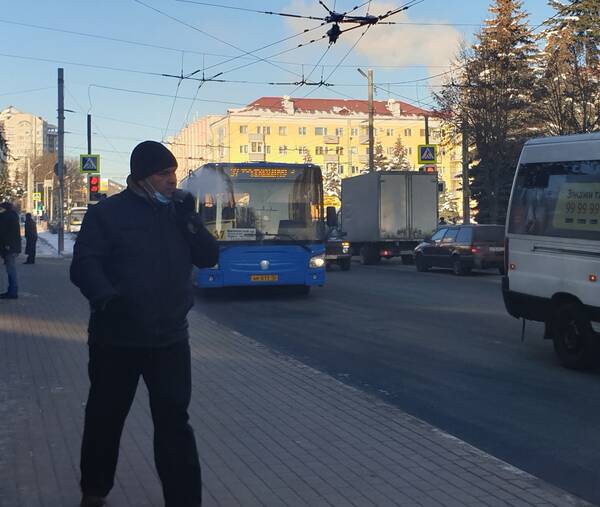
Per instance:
x=150, y=157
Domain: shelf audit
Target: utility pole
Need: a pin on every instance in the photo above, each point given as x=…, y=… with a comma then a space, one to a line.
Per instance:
x=89, y=143
x=61, y=161
x=466, y=190
x=369, y=76
x=426, y=129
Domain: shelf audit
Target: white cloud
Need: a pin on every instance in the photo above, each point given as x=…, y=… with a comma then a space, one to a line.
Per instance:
x=389, y=44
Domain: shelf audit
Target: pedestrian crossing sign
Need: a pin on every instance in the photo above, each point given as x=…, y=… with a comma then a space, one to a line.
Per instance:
x=36, y=196
x=89, y=164
x=428, y=154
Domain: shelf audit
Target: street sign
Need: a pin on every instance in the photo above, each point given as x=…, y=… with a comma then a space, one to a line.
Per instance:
x=428, y=154
x=89, y=164
x=36, y=196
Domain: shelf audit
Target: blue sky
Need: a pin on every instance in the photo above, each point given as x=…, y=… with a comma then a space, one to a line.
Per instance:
x=121, y=119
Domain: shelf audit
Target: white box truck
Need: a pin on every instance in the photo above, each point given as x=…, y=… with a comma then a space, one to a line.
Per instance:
x=387, y=214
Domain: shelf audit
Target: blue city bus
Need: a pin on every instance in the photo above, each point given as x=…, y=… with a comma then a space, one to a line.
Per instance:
x=268, y=218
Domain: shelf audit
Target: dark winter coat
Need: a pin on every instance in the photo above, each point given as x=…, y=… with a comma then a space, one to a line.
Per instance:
x=30, y=229
x=133, y=260
x=10, y=231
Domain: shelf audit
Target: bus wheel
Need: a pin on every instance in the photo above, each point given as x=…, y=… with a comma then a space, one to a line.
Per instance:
x=575, y=342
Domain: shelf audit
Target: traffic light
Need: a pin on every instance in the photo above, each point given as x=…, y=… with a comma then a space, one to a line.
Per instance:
x=94, y=188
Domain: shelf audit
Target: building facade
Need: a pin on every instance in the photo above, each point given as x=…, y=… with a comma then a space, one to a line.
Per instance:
x=332, y=133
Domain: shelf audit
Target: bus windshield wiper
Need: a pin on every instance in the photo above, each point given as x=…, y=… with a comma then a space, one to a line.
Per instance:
x=283, y=235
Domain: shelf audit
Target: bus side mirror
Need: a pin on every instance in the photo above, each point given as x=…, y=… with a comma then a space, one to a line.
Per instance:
x=332, y=219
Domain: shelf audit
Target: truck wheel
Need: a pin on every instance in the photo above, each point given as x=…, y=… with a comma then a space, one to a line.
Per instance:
x=420, y=264
x=575, y=342
x=345, y=264
x=407, y=259
x=369, y=255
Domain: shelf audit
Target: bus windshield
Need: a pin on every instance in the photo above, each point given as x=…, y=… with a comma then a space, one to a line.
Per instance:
x=260, y=203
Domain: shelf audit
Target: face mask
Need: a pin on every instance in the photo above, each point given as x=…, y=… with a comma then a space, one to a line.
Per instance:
x=158, y=197
x=161, y=198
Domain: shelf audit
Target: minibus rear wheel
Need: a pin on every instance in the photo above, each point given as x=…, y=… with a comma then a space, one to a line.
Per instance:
x=575, y=342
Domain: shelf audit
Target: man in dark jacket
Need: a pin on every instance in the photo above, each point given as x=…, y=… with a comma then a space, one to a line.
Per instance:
x=31, y=237
x=10, y=247
x=133, y=260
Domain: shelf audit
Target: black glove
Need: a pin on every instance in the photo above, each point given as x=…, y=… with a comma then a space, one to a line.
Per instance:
x=185, y=209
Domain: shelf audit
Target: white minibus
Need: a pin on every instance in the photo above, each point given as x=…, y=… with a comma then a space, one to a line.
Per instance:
x=552, y=251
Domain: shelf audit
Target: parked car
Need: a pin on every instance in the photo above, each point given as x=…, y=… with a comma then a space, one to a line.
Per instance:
x=462, y=248
x=337, y=250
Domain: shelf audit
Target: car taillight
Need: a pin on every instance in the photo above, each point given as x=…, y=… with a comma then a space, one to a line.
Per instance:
x=506, y=255
x=474, y=249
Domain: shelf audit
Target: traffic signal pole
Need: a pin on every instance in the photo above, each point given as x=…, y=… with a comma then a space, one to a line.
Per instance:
x=61, y=161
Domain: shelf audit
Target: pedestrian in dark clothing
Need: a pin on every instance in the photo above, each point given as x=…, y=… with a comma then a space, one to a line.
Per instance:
x=442, y=222
x=133, y=260
x=31, y=237
x=10, y=247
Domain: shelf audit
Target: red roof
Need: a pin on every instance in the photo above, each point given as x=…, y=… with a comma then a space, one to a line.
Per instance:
x=337, y=106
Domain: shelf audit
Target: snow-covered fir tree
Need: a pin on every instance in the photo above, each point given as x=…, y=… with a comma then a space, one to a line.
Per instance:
x=380, y=161
x=399, y=161
x=569, y=69
x=332, y=182
x=497, y=103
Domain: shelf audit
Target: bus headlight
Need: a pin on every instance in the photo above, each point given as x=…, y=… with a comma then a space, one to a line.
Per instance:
x=317, y=261
x=345, y=247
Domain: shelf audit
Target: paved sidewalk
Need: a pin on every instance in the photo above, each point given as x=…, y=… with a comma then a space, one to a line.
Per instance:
x=270, y=430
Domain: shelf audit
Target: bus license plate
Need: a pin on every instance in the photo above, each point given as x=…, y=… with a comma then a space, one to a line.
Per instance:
x=264, y=278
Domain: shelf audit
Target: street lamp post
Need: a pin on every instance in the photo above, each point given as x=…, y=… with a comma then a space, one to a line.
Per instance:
x=369, y=76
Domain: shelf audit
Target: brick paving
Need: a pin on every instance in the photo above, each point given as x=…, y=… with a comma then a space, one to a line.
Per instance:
x=271, y=431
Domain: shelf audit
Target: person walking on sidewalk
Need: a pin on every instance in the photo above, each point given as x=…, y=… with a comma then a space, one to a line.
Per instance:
x=133, y=260
x=10, y=247
x=31, y=237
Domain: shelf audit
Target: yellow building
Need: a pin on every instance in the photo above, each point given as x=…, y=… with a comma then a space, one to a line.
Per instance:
x=332, y=133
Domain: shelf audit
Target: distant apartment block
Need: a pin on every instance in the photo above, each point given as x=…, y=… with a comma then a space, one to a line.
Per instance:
x=333, y=133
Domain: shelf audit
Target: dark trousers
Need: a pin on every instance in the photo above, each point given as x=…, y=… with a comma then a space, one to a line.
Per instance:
x=30, y=250
x=114, y=373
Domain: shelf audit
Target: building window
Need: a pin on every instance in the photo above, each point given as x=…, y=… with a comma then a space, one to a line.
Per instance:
x=422, y=133
x=354, y=169
x=353, y=131
x=283, y=131
x=256, y=147
x=303, y=150
x=409, y=150
x=243, y=129
x=389, y=132
x=367, y=150
x=407, y=133
x=302, y=131
x=244, y=148
x=339, y=131
x=319, y=150
x=320, y=131
x=390, y=151
x=267, y=149
x=283, y=150
x=340, y=169
x=339, y=150
x=381, y=131
x=353, y=150
x=221, y=151
x=263, y=130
